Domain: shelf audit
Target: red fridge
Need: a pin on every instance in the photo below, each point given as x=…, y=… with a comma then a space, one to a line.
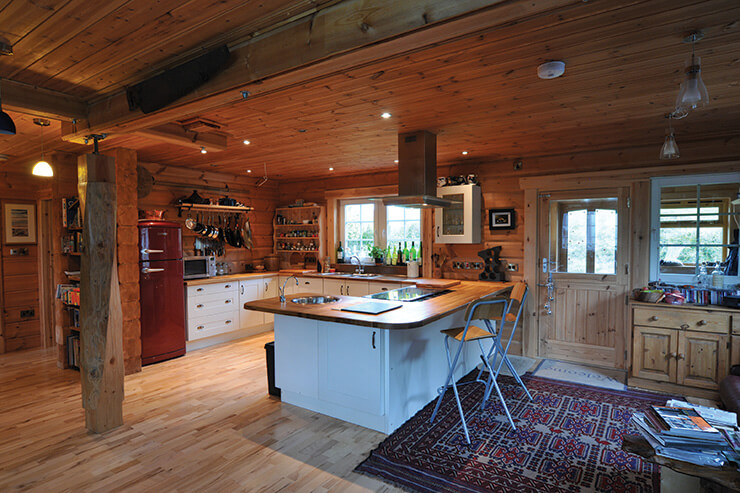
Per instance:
x=162, y=293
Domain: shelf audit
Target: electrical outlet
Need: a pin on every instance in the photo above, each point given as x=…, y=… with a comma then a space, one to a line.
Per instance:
x=512, y=267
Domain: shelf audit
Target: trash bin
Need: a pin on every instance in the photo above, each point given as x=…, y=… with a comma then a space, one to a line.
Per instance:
x=270, y=353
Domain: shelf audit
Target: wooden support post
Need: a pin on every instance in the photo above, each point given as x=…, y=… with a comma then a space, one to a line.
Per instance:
x=101, y=320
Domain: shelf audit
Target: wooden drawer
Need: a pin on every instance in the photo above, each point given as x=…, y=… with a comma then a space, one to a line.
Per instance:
x=211, y=304
x=377, y=287
x=206, y=289
x=212, y=325
x=309, y=285
x=681, y=318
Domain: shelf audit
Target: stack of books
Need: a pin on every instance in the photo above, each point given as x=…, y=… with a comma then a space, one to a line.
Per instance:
x=687, y=434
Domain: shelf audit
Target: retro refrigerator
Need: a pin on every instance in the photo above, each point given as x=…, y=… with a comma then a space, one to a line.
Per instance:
x=162, y=292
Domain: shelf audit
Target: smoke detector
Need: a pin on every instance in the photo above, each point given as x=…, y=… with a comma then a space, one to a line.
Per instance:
x=551, y=70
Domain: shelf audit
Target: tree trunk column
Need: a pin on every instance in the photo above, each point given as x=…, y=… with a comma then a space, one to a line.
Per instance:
x=101, y=365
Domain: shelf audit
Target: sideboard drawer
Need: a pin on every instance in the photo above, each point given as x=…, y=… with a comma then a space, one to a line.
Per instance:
x=682, y=319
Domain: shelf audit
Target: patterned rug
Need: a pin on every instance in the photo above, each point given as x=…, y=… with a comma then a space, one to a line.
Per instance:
x=568, y=439
x=574, y=373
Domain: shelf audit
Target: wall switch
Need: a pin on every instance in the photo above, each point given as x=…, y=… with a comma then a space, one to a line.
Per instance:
x=512, y=267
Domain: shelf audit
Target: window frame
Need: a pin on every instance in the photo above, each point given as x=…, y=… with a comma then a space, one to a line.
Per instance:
x=656, y=184
x=380, y=234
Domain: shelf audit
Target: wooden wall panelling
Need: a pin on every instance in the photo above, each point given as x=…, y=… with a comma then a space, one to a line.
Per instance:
x=264, y=199
x=21, y=327
x=530, y=272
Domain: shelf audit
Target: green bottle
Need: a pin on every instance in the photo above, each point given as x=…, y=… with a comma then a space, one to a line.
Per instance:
x=412, y=252
x=421, y=257
x=394, y=260
x=405, y=253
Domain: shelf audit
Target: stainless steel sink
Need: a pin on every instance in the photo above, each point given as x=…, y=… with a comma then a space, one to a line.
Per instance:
x=365, y=275
x=314, y=300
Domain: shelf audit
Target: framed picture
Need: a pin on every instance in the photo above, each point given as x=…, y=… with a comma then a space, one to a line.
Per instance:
x=501, y=219
x=20, y=223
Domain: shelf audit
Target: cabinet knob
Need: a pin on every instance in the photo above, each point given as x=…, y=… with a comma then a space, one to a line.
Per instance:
x=227, y=322
x=701, y=322
x=199, y=305
x=227, y=301
x=653, y=318
x=199, y=289
x=680, y=356
x=671, y=355
x=200, y=327
x=227, y=286
x=684, y=326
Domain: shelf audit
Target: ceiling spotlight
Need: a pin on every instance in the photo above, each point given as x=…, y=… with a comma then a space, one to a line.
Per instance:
x=396, y=161
x=331, y=169
x=385, y=115
x=249, y=171
x=203, y=150
x=551, y=70
x=464, y=153
x=246, y=142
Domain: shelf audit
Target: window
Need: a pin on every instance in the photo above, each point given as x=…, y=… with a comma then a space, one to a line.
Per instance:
x=359, y=231
x=697, y=219
x=586, y=234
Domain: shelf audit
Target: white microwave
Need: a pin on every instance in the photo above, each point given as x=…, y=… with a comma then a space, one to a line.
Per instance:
x=199, y=267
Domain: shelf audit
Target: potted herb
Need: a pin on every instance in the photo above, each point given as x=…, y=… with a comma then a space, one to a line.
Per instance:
x=377, y=253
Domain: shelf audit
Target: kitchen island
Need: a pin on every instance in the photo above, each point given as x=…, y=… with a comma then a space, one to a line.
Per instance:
x=372, y=370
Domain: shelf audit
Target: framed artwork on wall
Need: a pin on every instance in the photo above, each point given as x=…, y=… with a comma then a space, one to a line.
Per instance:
x=20, y=223
x=501, y=219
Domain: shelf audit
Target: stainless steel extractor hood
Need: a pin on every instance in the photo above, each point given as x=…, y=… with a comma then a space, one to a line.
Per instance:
x=417, y=172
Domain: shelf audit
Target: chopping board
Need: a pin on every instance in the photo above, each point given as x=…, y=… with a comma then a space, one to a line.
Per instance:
x=437, y=283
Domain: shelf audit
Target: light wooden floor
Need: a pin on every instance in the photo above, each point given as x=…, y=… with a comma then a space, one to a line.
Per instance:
x=203, y=422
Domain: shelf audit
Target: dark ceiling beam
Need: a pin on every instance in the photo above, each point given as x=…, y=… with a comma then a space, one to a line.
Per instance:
x=35, y=101
x=337, y=38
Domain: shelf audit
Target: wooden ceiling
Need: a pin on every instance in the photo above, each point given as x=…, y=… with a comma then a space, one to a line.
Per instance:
x=479, y=93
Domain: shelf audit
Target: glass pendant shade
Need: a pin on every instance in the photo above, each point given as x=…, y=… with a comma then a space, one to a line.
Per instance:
x=670, y=148
x=693, y=92
x=42, y=168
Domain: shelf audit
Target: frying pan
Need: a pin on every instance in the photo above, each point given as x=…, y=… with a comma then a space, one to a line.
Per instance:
x=190, y=223
x=199, y=226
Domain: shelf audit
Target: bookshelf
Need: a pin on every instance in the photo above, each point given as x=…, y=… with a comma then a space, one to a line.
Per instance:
x=68, y=294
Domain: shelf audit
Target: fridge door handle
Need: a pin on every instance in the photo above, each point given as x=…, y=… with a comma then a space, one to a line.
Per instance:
x=148, y=270
x=149, y=250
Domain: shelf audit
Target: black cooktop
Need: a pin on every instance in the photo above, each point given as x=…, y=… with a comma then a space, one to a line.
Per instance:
x=408, y=294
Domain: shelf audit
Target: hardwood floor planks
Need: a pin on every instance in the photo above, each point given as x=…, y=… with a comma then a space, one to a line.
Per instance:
x=203, y=422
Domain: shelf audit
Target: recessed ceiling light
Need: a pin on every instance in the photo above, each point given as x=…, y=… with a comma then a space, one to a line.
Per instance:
x=203, y=150
x=249, y=171
x=396, y=161
x=464, y=153
x=385, y=115
x=551, y=70
x=331, y=169
x=246, y=142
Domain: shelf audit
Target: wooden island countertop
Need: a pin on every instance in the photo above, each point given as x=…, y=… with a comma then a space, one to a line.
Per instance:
x=410, y=315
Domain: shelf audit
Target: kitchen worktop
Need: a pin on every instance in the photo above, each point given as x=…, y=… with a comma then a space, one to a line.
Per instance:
x=409, y=315
x=419, y=281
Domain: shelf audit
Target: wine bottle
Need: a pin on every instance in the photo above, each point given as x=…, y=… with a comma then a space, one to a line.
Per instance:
x=405, y=253
x=412, y=252
x=340, y=253
x=400, y=254
x=394, y=258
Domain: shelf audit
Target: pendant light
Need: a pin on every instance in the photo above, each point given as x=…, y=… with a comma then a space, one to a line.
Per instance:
x=693, y=93
x=670, y=148
x=7, y=127
x=42, y=168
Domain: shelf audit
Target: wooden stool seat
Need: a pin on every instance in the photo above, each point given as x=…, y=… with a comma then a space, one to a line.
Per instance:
x=474, y=333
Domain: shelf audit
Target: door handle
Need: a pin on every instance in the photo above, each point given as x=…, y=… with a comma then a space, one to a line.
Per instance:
x=374, y=340
x=200, y=327
x=227, y=301
x=199, y=289
x=265, y=287
x=684, y=326
x=227, y=322
x=347, y=290
x=341, y=289
x=147, y=270
x=149, y=250
x=227, y=286
x=681, y=356
x=241, y=290
x=384, y=289
x=437, y=231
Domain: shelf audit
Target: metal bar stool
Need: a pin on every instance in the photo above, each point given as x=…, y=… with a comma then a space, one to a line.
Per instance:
x=486, y=309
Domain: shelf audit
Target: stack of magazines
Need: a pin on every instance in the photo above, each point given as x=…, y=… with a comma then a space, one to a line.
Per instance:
x=690, y=433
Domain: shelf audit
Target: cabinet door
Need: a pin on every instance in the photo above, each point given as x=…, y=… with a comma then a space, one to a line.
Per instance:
x=309, y=285
x=356, y=288
x=377, y=287
x=461, y=222
x=702, y=359
x=350, y=364
x=249, y=291
x=269, y=290
x=653, y=354
x=296, y=355
x=334, y=287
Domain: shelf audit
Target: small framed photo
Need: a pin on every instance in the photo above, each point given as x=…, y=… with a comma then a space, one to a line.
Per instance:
x=501, y=219
x=20, y=223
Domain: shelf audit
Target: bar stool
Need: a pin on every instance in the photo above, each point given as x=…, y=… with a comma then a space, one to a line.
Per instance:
x=489, y=309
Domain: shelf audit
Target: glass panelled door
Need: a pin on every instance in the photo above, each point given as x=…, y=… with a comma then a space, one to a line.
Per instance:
x=584, y=245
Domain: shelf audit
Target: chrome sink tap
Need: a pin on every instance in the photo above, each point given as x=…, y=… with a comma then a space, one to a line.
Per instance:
x=282, y=290
x=360, y=270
